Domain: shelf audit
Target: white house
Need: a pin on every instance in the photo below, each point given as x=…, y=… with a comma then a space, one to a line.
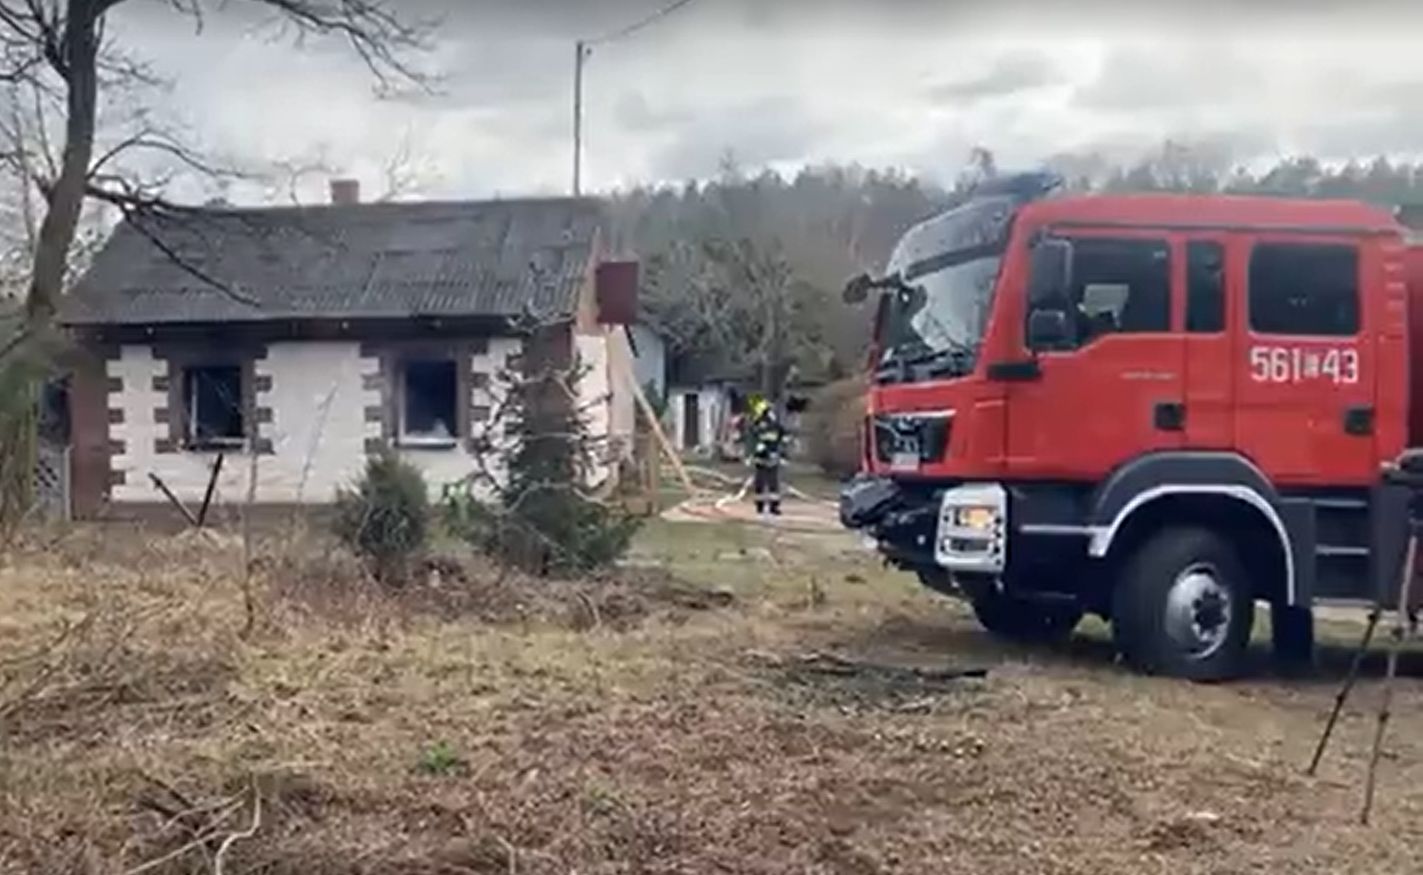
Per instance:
x=317, y=335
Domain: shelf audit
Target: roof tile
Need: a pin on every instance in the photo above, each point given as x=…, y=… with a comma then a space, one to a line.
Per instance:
x=375, y=260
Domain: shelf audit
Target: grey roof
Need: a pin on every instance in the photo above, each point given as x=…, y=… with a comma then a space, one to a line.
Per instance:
x=372, y=260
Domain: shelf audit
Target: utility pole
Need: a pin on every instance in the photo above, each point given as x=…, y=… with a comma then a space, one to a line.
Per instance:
x=581, y=50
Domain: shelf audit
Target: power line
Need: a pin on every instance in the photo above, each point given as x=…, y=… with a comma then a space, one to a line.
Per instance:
x=581, y=50
x=637, y=26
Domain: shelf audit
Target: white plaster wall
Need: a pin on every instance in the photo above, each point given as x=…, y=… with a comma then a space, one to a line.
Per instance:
x=622, y=405
x=137, y=367
x=594, y=397
x=712, y=411
x=318, y=429
x=318, y=426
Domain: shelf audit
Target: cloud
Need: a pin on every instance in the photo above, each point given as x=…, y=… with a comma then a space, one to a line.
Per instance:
x=758, y=133
x=634, y=114
x=1009, y=75
x=1169, y=78
x=911, y=83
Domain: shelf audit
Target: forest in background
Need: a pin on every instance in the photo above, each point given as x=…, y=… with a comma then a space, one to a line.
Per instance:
x=743, y=273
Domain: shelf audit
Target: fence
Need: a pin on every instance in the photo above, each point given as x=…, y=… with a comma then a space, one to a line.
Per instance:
x=51, y=483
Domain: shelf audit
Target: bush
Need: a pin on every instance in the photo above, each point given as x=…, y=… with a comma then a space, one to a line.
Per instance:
x=386, y=518
x=834, y=427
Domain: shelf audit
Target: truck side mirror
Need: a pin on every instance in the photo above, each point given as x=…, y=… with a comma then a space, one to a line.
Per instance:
x=857, y=289
x=1047, y=329
x=1050, y=273
x=876, y=350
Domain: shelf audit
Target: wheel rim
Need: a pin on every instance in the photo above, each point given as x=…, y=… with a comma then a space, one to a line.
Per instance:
x=1198, y=611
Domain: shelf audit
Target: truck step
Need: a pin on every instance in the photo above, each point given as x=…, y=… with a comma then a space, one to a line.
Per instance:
x=1326, y=550
x=1357, y=504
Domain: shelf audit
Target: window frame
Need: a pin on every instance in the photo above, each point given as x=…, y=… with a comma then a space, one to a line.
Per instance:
x=1159, y=239
x=187, y=412
x=400, y=398
x=474, y=373
x=1188, y=244
x=220, y=351
x=1353, y=245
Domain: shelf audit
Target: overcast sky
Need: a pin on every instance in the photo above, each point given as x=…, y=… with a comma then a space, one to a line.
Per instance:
x=908, y=84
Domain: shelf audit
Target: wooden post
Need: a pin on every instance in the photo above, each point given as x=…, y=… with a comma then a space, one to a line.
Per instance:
x=173, y=499
x=212, y=486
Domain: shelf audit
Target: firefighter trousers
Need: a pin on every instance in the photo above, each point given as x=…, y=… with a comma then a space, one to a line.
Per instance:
x=767, y=486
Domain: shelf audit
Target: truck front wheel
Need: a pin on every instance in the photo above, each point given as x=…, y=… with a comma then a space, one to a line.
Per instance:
x=1026, y=621
x=1015, y=619
x=1183, y=606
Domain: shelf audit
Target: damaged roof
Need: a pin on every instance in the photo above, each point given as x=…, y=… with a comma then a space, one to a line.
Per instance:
x=350, y=261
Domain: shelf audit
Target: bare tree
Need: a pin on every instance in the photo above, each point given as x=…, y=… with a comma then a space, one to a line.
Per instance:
x=403, y=173
x=56, y=53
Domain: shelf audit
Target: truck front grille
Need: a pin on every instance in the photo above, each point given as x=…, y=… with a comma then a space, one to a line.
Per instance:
x=926, y=433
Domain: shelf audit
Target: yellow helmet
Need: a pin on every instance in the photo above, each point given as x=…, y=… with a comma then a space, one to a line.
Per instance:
x=758, y=405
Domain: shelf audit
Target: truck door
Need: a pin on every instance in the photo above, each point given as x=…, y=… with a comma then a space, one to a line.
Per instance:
x=1115, y=388
x=1305, y=376
x=1210, y=389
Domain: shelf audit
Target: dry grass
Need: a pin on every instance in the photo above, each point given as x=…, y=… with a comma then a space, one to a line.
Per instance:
x=479, y=724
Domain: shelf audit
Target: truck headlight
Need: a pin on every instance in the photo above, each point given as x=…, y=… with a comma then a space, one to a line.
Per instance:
x=972, y=533
x=980, y=519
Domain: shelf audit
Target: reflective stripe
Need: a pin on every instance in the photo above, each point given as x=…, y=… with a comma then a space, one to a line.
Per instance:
x=1102, y=536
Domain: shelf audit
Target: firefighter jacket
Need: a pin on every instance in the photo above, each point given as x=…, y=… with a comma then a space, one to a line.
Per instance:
x=767, y=439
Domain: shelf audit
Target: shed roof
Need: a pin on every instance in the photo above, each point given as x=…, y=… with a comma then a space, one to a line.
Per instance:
x=354, y=261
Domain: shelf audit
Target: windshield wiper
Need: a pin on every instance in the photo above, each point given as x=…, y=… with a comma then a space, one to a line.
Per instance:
x=954, y=355
x=953, y=359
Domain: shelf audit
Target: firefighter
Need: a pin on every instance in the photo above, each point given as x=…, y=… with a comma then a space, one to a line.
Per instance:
x=765, y=439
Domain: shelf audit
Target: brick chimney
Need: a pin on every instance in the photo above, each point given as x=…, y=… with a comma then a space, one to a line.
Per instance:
x=345, y=191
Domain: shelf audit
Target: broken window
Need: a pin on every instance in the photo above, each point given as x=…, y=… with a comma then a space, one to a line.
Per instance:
x=429, y=391
x=212, y=406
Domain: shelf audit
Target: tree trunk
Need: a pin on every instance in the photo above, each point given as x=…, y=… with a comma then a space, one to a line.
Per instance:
x=78, y=55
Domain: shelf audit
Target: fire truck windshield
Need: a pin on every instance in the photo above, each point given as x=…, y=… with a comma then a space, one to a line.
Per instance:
x=937, y=314
x=938, y=289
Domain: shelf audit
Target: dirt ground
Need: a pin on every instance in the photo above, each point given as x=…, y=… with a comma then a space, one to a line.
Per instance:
x=741, y=699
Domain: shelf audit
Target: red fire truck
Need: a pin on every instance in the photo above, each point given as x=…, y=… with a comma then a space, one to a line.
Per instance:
x=1160, y=409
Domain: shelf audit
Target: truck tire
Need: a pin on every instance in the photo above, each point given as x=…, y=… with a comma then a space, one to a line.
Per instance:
x=938, y=580
x=1028, y=622
x=1183, y=607
x=1014, y=619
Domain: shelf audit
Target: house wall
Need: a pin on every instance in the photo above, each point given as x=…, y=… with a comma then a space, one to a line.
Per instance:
x=713, y=411
x=595, y=398
x=314, y=401
x=650, y=362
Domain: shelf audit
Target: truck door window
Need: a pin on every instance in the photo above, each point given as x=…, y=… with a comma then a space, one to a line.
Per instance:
x=1304, y=289
x=1120, y=287
x=1205, y=287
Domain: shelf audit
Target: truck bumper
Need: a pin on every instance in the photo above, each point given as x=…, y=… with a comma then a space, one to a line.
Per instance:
x=972, y=531
x=960, y=528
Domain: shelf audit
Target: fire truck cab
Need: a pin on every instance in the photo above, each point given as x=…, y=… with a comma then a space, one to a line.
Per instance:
x=1157, y=408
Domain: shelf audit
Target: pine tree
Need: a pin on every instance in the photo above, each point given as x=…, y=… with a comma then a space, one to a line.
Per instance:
x=541, y=517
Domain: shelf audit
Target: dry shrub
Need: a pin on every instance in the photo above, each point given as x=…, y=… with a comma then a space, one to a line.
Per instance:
x=834, y=427
x=136, y=725
x=329, y=583
x=385, y=518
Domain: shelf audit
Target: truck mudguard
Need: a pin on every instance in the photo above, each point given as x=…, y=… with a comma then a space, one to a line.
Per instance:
x=1149, y=477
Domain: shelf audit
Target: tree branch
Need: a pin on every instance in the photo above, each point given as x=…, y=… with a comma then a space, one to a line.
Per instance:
x=371, y=29
x=138, y=209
